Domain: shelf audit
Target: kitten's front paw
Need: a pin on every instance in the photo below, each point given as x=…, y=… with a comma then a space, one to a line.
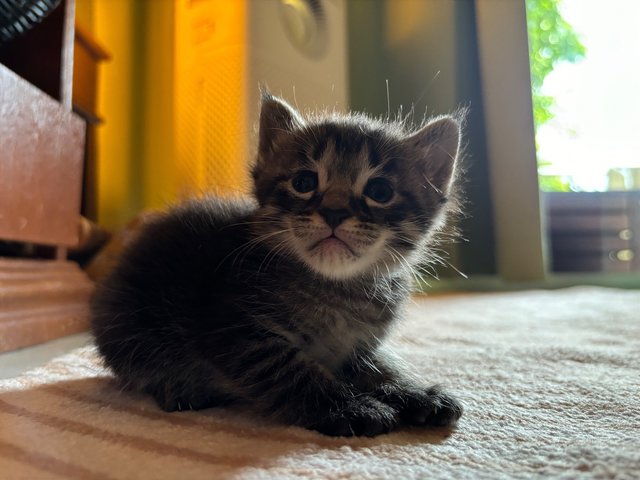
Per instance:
x=423, y=407
x=362, y=416
x=171, y=400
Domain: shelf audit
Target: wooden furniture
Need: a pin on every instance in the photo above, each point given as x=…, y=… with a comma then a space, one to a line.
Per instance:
x=594, y=231
x=41, y=163
x=87, y=55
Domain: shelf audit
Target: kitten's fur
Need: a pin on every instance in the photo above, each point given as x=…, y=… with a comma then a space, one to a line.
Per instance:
x=226, y=300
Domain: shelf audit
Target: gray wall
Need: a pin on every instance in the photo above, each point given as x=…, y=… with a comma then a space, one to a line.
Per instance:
x=427, y=50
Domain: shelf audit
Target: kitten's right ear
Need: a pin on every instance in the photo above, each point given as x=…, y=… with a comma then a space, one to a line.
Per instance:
x=437, y=144
x=277, y=118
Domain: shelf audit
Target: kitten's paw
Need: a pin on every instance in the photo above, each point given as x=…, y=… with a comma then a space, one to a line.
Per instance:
x=171, y=402
x=424, y=407
x=363, y=416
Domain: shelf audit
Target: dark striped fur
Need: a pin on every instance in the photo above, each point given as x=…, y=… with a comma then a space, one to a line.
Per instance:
x=281, y=302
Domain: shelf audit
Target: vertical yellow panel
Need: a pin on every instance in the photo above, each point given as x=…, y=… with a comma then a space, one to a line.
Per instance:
x=136, y=142
x=173, y=99
x=112, y=24
x=210, y=77
x=85, y=13
x=157, y=93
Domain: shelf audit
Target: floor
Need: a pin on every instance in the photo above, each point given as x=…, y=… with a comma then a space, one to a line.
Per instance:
x=548, y=380
x=14, y=363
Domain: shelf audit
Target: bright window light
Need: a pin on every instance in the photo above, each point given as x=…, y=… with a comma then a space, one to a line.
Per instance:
x=592, y=140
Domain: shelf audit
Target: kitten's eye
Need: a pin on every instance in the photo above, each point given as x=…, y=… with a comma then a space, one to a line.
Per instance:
x=379, y=190
x=305, y=181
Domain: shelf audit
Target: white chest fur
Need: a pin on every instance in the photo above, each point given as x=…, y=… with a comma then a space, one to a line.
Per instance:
x=337, y=334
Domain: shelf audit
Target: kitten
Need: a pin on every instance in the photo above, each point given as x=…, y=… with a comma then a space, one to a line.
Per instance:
x=281, y=302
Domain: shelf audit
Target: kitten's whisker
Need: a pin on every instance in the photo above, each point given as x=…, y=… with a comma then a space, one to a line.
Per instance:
x=437, y=190
x=450, y=265
x=251, y=244
x=426, y=89
x=273, y=253
x=263, y=220
x=404, y=260
x=388, y=100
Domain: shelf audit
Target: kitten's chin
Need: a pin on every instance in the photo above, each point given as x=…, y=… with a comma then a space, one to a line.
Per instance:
x=335, y=259
x=331, y=247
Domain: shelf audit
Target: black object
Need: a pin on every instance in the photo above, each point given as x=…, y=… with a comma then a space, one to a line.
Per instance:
x=18, y=16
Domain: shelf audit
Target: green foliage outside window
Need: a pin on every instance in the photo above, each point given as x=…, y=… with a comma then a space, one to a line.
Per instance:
x=551, y=40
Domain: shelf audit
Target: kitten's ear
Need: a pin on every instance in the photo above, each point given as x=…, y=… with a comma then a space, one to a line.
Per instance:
x=437, y=145
x=277, y=117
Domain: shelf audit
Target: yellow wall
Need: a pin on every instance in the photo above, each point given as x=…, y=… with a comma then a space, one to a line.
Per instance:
x=111, y=25
x=172, y=97
x=156, y=87
x=135, y=144
x=84, y=13
x=210, y=97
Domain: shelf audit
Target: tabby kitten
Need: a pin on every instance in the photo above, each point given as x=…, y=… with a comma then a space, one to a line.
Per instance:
x=281, y=302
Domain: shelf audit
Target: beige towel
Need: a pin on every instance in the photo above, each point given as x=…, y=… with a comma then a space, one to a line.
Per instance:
x=550, y=381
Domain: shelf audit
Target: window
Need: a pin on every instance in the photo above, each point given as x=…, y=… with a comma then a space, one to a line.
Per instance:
x=585, y=71
x=585, y=63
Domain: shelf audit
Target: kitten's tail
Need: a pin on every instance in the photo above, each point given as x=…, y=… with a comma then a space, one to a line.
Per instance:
x=107, y=258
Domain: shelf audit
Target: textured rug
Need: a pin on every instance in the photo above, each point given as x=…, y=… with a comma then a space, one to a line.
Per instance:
x=550, y=381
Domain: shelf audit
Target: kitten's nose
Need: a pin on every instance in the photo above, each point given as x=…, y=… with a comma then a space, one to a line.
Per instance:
x=334, y=217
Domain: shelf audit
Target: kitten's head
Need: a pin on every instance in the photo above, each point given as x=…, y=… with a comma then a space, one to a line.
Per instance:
x=349, y=195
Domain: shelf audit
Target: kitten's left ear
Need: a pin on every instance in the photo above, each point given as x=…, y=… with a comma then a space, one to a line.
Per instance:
x=437, y=144
x=277, y=117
